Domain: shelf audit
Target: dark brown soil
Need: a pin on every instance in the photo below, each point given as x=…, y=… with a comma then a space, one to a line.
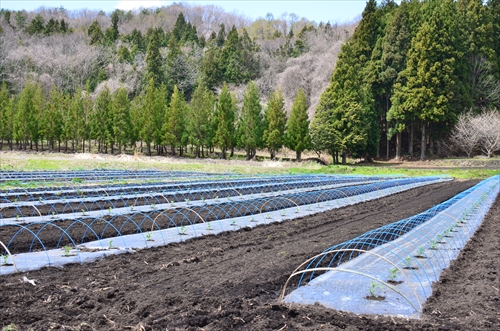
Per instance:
x=232, y=281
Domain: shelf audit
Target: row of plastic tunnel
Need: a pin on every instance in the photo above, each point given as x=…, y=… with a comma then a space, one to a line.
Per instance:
x=390, y=270
x=65, y=227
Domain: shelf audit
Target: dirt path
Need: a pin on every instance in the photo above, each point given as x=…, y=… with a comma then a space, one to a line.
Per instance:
x=233, y=280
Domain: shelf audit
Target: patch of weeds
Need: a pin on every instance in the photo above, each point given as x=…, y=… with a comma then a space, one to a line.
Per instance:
x=10, y=327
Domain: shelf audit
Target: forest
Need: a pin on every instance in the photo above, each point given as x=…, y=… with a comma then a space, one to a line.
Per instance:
x=188, y=80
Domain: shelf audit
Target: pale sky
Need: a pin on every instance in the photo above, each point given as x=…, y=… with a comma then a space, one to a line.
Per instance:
x=316, y=10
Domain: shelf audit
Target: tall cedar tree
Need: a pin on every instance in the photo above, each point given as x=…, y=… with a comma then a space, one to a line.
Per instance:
x=396, y=44
x=51, y=123
x=199, y=114
x=275, y=123
x=297, y=131
x=174, y=127
x=26, y=118
x=224, y=116
x=6, y=112
x=154, y=60
x=250, y=122
x=430, y=76
x=344, y=118
x=120, y=110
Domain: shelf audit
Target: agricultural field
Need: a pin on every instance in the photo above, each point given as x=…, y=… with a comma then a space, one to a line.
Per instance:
x=164, y=249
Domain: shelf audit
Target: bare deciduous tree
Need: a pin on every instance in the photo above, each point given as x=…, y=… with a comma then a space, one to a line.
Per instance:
x=478, y=132
x=488, y=125
x=464, y=135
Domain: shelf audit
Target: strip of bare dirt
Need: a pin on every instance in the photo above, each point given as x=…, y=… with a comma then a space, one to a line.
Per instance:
x=233, y=280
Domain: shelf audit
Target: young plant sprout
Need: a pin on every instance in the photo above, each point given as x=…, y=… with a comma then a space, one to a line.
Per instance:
x=187, y=201
x=439, y=237
x=4, y=258
x=373, y=286
x=209, y=226
x=109, y=210
x=433, y=244
x=17, y=217
x=296, y=210
x=153, y=206
x=182, y=230
x=83, y=212
x=233, y=222
x=148, y=236
x=393, y=273
x=407, y=261
x=283, y=213
x=420, y=250
x=252, y=219
x=110, y=244
x=66, y=250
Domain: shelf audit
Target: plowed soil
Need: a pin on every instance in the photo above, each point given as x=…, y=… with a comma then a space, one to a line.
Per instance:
x=232, y=281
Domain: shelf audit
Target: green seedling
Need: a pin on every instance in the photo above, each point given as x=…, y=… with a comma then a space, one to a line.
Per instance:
x=407, y=261
x=421, y=250
x=433, y=244
x=209, y=226
x=228, y=198
x=39, y=199
x=252, y=219
x=182, y=230
x=393, y=273
x=283, y=213
x=296, y=210
x=268, y=216
x=439, y=237
x=148, y=236
x=110, y=244
x=17, y=217
x=217, y=198
x=109, y=210
x=4, y=258
x=66, y=250
x=187, y=201
x=373, y=287
x=53, y=214
x=153, y=206
x=83, y=212
x=233, y=222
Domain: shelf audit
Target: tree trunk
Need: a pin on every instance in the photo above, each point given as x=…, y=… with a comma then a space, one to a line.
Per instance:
x=344, y=157
x=423, y=143
x=298, y=156
x=398, y=146
x=223, y=153
x=410, y=144
x=431, y=144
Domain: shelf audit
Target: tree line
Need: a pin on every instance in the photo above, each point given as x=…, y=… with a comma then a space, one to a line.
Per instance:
x=406, y=74
x=158, y=121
